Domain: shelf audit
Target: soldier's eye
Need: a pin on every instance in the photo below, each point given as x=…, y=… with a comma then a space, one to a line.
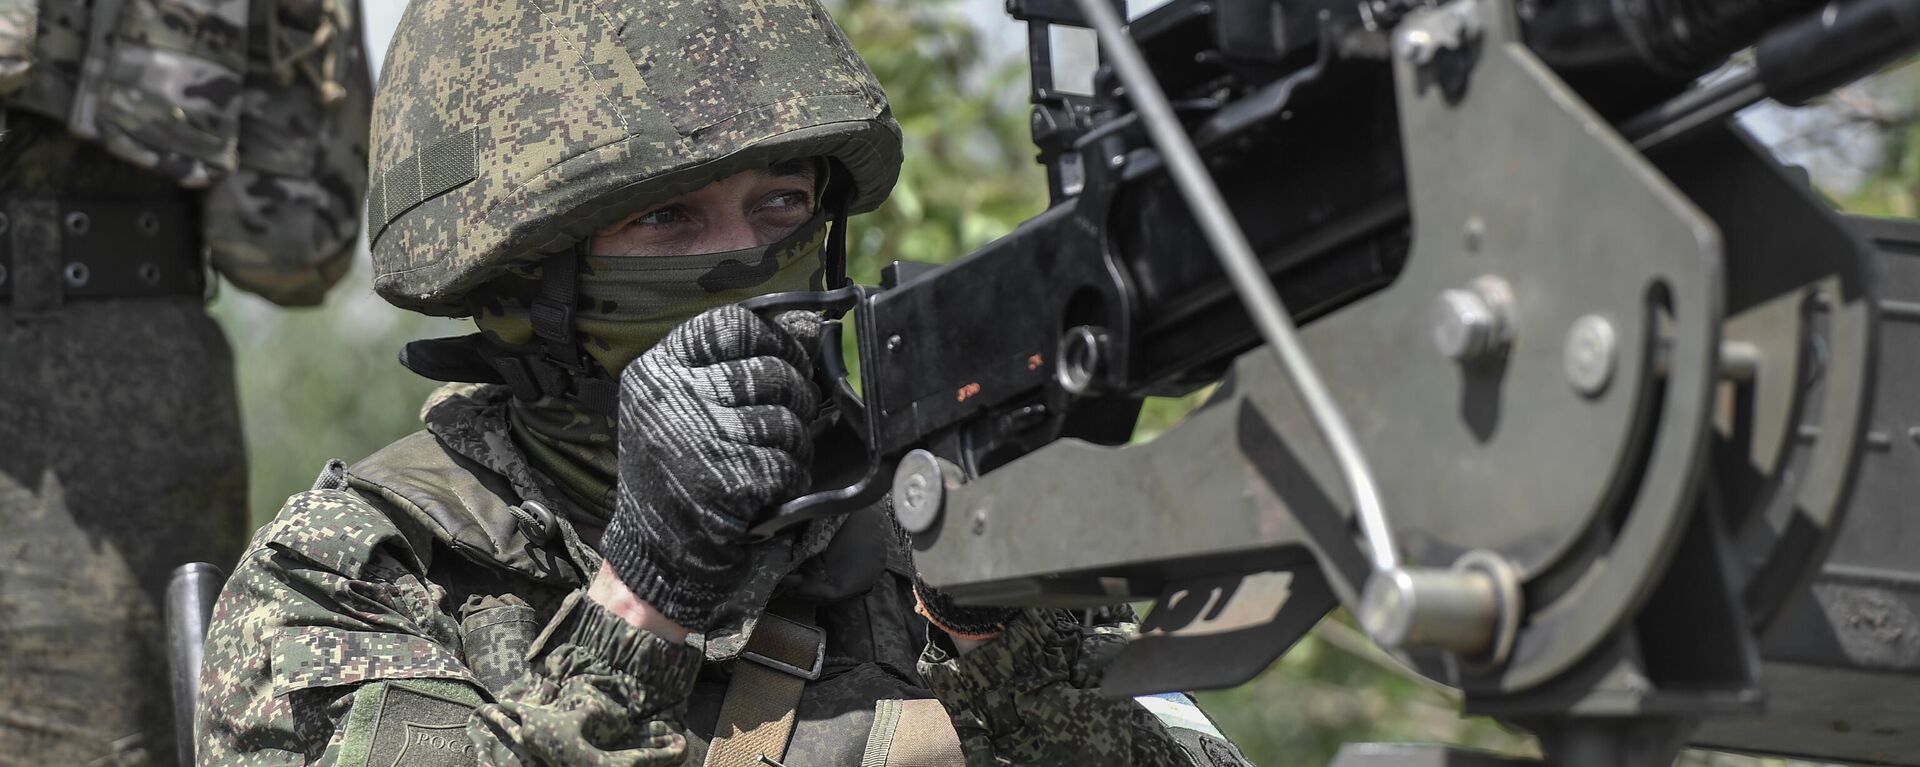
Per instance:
x=783, y=201
x=662, y=217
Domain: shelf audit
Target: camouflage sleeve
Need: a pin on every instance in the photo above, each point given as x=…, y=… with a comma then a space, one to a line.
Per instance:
x=329, y=647
x=1031, y=697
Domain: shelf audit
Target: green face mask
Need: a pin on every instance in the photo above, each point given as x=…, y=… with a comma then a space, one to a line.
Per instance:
x=626, y=305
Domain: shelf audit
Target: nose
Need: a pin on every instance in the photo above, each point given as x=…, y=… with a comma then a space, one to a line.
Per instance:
x=730, y=232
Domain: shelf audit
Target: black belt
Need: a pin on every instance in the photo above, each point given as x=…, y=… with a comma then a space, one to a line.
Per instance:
x=53, y=249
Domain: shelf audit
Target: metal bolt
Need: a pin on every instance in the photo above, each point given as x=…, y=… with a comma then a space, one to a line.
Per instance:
x=1590, y=349
x=1476, y=233
x=1453, y=610
x=980, y=521
x=1472, y=324
x=1082, y=360
x=919, y=491
x=1117, y=161
x=1416, y=46
x=894, y=343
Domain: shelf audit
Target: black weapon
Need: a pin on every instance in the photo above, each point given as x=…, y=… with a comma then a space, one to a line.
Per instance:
x=1523, y=353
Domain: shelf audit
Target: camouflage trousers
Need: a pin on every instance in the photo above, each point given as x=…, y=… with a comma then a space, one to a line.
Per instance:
x=120, y=458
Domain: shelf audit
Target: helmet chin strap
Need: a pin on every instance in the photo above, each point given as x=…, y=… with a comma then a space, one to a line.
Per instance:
x=554, y=366
x=840, y=197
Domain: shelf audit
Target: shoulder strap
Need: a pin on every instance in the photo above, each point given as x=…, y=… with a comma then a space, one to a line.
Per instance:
x=913, y=733
x=763, y=700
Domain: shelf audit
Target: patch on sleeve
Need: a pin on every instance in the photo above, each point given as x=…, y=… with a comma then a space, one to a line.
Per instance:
x=1175, y=709
x=417, y=722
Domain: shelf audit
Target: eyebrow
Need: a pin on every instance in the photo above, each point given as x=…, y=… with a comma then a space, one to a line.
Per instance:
x=805, y=167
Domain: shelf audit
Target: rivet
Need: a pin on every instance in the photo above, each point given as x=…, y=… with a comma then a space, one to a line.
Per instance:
x=1589, y=354
x=1476, y=233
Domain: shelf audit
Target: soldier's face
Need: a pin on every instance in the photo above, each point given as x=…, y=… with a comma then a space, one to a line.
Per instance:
x=745, y=210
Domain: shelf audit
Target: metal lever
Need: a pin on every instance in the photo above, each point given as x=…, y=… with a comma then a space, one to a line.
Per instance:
x=847, y=439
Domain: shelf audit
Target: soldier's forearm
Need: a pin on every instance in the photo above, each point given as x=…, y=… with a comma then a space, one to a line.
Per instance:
x=607, y=591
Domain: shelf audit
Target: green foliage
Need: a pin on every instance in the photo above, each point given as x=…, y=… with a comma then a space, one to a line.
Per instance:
x=969, y=174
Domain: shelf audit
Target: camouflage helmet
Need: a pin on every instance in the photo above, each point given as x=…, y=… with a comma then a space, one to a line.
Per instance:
x=505, y=130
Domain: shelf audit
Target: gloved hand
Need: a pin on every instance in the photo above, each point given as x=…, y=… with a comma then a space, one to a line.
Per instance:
x=969, y=622
x=713, y=433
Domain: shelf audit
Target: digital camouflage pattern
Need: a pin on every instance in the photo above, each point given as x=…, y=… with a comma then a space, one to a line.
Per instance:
x=99, y=496
x=513, y=129
x=1032, y=696
x=361, y=600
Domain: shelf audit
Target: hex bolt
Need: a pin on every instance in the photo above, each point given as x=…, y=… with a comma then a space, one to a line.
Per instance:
x=894, y=343
x=1589, y=353
x=1474, y=324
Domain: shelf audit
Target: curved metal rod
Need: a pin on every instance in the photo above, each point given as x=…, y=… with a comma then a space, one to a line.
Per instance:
x=1249, y=279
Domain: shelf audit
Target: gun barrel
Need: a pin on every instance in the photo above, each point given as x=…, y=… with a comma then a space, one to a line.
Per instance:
x=190, y=596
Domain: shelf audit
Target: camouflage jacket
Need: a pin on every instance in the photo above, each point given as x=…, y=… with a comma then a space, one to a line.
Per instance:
x=404, y=612
x=259, y=107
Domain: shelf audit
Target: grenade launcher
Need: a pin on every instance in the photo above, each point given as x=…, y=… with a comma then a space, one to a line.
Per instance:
x=1521, y=350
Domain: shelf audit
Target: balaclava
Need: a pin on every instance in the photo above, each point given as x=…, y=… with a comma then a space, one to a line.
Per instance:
x=626, y=304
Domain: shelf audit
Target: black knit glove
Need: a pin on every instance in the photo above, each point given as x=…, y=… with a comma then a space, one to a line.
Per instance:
x=713, y=432
x=964, y=621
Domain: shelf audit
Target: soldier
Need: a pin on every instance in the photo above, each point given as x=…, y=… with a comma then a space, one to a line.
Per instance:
x=596, y=183
x=140, y=143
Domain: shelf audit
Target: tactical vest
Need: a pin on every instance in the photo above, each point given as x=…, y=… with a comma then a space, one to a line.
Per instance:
x=825, y=676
